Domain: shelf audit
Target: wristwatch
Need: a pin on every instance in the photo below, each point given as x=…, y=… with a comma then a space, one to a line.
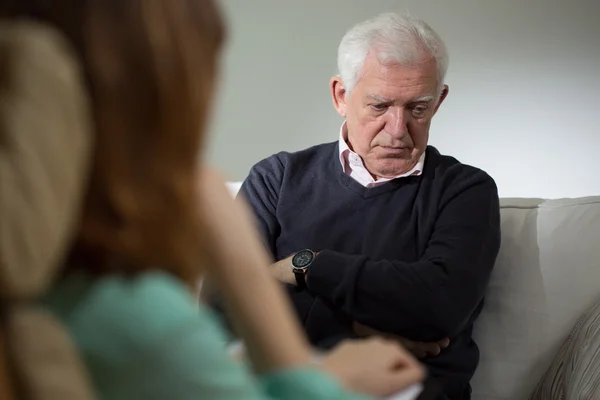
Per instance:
x=300, y=263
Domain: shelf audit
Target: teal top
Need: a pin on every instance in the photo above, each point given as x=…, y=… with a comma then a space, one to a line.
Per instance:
x=146, y=338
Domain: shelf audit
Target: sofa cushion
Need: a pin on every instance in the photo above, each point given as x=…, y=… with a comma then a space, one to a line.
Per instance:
x=545, y=277
x=575, y=371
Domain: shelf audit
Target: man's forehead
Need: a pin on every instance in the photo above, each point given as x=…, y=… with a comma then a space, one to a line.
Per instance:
x=394, y=82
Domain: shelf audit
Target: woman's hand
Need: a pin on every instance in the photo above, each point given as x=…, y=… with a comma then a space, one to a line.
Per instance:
x=375, y=366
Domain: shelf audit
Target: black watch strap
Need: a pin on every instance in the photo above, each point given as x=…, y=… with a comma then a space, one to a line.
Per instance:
x=300, y=279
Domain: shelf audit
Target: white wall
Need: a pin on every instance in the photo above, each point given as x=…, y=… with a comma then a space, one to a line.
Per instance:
x=524, y=86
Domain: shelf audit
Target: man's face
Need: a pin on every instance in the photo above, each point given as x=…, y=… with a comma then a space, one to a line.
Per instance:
x=388, y=114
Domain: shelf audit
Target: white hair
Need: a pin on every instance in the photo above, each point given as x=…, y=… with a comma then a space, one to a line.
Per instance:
x=393, y=38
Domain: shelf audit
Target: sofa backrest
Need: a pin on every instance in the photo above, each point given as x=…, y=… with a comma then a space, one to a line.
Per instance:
x=547, y=274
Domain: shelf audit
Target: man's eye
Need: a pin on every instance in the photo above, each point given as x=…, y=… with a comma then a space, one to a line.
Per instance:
x=419, y=111
x=379, y=107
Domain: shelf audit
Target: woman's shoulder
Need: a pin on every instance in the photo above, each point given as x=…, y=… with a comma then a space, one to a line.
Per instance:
x=146, y=337
x=138, y=310
x=143, y=337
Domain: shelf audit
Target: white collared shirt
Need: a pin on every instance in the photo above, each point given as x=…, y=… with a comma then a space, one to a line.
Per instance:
x=353, y=166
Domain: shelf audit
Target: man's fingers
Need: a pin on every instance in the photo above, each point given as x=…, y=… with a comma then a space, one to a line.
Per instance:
x=421, y=349
x=419, y=354
x=418, y=349
x=408, y=344
x=433, y=349
x=363, y=330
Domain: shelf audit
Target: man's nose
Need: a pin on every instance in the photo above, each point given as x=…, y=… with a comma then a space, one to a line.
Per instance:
x=396, y=122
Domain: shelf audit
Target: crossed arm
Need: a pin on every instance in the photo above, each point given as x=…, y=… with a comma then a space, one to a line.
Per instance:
x=428, y=300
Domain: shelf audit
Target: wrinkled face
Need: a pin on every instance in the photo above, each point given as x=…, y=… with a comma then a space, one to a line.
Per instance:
x=388, y=114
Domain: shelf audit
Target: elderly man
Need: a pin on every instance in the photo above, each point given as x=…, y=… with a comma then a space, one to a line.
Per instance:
x=378, y=232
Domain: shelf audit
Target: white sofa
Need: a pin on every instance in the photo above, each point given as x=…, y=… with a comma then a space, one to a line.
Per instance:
x=546, y=275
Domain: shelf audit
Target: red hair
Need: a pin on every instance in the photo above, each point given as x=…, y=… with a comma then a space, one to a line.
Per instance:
x=150, y=66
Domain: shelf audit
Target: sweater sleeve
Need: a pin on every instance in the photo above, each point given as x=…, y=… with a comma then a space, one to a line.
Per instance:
x=438, y=293
x=261, y=190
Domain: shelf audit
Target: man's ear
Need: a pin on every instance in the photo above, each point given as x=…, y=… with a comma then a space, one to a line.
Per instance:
x=338, y=95
x=443, y=96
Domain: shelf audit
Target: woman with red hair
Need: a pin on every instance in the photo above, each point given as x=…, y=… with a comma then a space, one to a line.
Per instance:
x=153, y=221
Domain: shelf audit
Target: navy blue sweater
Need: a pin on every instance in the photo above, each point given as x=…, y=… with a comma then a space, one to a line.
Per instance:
x=411, y=257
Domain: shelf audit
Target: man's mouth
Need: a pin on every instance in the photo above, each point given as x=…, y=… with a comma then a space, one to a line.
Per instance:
x=394, y=148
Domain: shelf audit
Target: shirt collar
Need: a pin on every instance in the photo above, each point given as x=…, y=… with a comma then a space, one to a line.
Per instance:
x=348, y=167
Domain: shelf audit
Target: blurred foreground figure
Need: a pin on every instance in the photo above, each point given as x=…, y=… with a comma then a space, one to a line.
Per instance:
x=107, y=221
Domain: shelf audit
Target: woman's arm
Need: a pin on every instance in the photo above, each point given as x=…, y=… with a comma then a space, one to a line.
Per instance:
x=259, y=310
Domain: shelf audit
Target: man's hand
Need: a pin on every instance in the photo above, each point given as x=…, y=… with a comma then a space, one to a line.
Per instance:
x=282, y=271
x=419, y=349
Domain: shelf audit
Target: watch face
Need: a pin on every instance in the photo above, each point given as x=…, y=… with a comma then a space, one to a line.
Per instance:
x=302, y=259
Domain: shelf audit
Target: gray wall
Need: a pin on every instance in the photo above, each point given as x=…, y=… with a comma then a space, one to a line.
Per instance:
x=524, y=86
